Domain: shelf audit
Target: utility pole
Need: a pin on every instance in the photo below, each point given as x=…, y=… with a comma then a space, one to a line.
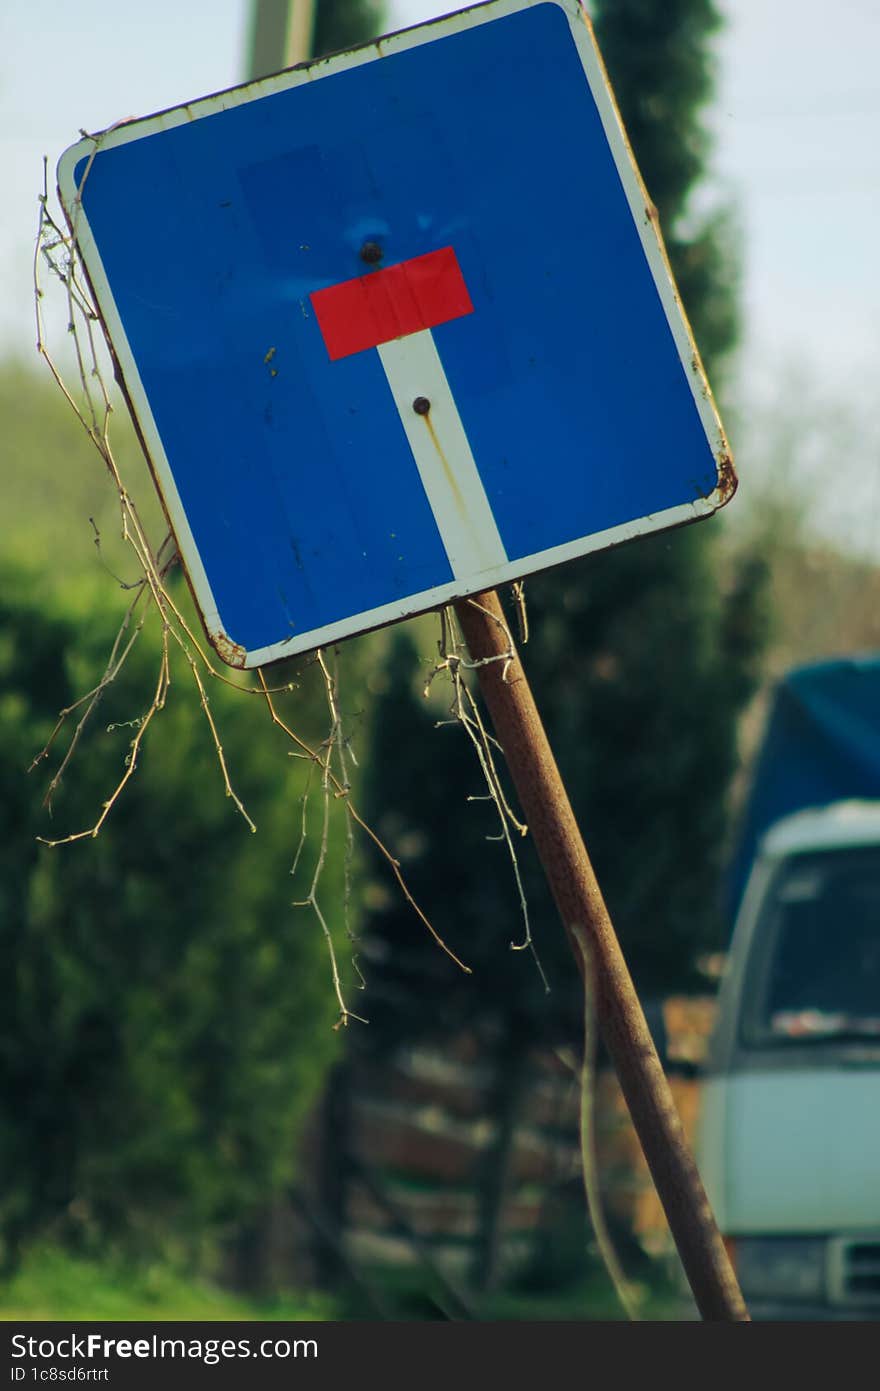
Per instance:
x=281, y=35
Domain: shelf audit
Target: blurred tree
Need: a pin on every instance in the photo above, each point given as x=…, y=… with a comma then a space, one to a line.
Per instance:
x=817, y=524
x=662, y=70
x=641, y=662
x=165, y=1017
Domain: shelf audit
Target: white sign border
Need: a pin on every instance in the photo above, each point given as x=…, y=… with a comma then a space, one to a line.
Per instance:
x=644, y=216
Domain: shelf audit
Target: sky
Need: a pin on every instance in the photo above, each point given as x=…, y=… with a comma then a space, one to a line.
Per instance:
x=796, y=123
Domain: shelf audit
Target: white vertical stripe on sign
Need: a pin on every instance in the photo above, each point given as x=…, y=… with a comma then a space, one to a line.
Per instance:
x=443, y=456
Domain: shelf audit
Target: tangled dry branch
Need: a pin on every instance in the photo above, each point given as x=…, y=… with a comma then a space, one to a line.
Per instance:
x=453, y=663
x=56, y=255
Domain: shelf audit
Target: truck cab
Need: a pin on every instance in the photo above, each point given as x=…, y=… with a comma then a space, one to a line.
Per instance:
x=789, y=1134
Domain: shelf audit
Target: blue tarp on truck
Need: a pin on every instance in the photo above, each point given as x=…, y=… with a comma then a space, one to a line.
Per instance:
x=821, y=745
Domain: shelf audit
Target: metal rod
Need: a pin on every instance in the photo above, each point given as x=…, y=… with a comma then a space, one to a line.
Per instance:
x=599, y=958
x=300, y=32
x=281, y=33
x=267, y=37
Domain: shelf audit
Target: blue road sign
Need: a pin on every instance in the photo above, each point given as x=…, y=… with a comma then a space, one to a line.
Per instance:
x=542, y=398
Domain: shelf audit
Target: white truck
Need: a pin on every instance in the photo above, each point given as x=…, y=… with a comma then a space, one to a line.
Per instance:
x=789, y=1134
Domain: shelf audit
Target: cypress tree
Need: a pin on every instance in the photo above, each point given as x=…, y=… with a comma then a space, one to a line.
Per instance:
x=641, y=658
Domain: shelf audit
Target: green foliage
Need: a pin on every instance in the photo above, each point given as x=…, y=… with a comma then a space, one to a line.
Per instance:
x=53, y=1285
x=661, y=68
x=643, y=673
x=165, y=1015
x=661, y=71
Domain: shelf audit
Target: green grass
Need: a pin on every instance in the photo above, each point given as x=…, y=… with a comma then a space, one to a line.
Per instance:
x=54, y=1286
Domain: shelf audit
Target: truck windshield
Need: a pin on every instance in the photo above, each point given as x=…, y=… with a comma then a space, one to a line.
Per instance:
x=816, y=967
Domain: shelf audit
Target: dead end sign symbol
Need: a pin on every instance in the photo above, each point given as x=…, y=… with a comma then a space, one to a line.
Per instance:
x=396, y=302
x=567, y=410
x=393, y=311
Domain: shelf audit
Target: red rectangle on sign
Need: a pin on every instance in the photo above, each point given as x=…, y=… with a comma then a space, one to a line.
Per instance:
x=391, y=303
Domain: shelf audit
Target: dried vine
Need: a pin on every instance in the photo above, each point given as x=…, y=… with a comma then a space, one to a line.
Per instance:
x=56, y=253
x=454, y=662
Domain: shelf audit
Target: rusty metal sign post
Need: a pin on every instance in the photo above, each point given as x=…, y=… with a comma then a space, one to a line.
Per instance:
x=365, y=295
x=597, y=952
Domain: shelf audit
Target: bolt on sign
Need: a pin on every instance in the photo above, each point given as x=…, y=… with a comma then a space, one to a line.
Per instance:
x=396, y=327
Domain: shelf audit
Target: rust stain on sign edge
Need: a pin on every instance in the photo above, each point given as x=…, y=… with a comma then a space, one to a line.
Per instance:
x=228, y=651
x=727, y=479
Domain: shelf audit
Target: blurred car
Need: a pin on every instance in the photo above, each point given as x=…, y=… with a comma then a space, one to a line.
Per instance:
x=789, y=1133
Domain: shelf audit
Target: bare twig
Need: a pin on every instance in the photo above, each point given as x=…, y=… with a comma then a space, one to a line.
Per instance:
x=131, y=758
x=518, y=590
x=56, y=252
x=465, y=711
x=90, y=699
x=343, y=753
x=589, y=1166
x=342, y=792
x=330, y=744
